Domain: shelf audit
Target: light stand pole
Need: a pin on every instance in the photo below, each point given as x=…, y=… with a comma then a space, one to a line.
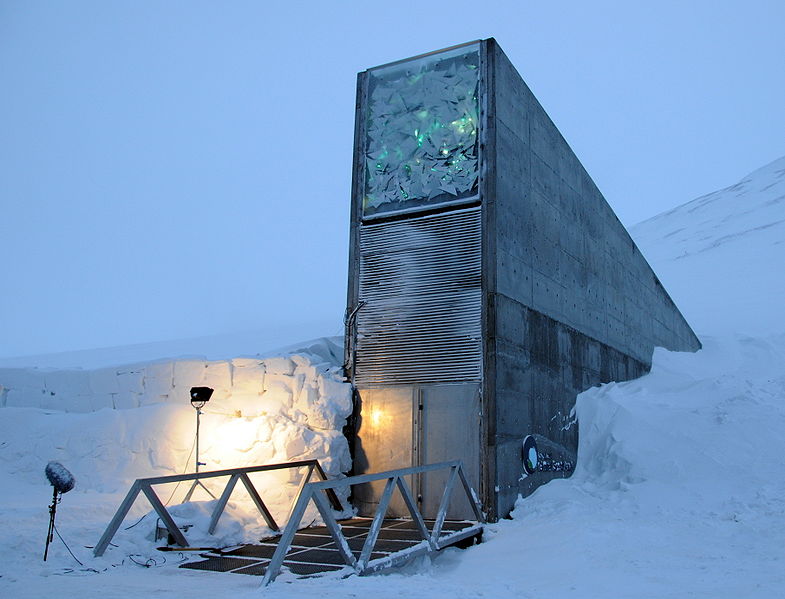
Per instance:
x=199, y=397
x=198, y=419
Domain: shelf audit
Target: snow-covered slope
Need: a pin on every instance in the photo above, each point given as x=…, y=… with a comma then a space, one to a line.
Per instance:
x=721, y=256
x=679, y=489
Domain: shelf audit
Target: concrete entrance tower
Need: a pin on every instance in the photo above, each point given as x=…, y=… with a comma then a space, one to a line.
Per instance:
x=489, y=280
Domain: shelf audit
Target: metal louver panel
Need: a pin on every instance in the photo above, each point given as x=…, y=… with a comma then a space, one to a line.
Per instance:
x=420, y=281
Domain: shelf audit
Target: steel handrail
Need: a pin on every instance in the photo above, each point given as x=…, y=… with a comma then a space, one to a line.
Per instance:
x=145, y=486
x=318, y=492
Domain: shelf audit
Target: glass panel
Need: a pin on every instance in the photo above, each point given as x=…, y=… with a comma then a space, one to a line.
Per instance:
x=421, y=141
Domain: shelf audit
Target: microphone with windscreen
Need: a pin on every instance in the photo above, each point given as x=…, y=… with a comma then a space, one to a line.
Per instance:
x=62, y=481
x=59, y=477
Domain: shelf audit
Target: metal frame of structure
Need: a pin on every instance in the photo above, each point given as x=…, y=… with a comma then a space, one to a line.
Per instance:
x=320, y=493
x=145, y=486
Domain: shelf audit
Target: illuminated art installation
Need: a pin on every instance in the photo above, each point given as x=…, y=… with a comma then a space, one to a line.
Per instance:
x=421, y=146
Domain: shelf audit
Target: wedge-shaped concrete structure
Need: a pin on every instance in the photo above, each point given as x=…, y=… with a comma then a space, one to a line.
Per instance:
x=489, y=280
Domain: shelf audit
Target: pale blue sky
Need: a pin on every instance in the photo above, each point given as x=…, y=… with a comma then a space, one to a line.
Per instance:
x=176, y=169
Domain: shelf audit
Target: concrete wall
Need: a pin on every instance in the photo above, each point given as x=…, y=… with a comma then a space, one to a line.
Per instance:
x=571, y=300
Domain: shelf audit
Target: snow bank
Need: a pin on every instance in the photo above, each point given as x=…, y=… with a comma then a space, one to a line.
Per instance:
x=709, y=423
x=679, y=485
x=251, y=383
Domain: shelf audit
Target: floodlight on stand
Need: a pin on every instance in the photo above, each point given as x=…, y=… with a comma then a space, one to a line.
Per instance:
x=199, y=397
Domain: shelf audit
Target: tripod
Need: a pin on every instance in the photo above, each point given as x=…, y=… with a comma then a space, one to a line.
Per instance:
x=197, y=482
x=56, y=497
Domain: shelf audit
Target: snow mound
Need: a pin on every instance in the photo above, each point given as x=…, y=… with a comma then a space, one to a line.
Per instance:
x=679, y=488
x=705, y=425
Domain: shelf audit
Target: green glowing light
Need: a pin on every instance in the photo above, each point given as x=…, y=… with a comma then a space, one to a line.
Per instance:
x=422, y=142
x=464, y=125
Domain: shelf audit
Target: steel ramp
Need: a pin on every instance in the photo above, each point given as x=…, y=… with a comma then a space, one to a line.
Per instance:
x=313, y=551
x=359, y=545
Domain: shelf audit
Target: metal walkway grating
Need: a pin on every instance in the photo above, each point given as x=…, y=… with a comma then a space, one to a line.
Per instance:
x=313, y=551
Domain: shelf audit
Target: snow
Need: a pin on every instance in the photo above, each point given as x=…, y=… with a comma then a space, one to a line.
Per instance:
x=254, y=343
x=721, y=255
x=678, y=491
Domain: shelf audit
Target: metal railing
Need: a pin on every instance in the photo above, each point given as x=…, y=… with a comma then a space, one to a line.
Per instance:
x=145, y=486
x=320, y=493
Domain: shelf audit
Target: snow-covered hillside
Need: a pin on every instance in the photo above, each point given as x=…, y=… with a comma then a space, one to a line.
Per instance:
x=721, y=256
x=679, y=489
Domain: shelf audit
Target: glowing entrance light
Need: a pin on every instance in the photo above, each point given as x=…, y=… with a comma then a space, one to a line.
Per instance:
x=376, y=417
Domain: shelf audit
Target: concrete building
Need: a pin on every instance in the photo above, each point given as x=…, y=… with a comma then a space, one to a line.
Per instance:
x=489, y=280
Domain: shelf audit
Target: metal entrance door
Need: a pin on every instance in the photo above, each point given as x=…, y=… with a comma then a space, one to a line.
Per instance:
x=384, y=441
x=406, y=426
x=449, y=426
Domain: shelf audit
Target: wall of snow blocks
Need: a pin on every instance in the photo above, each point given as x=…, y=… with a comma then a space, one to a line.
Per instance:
x=113, y=425
x=248, y=386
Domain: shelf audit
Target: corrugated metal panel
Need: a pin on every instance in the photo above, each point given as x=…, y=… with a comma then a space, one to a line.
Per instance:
x=420, y=279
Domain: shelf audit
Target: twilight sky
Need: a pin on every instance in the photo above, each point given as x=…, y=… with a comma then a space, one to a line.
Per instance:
x=179, y=169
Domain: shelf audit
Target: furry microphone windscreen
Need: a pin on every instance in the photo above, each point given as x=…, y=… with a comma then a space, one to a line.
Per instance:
x=59, y=477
